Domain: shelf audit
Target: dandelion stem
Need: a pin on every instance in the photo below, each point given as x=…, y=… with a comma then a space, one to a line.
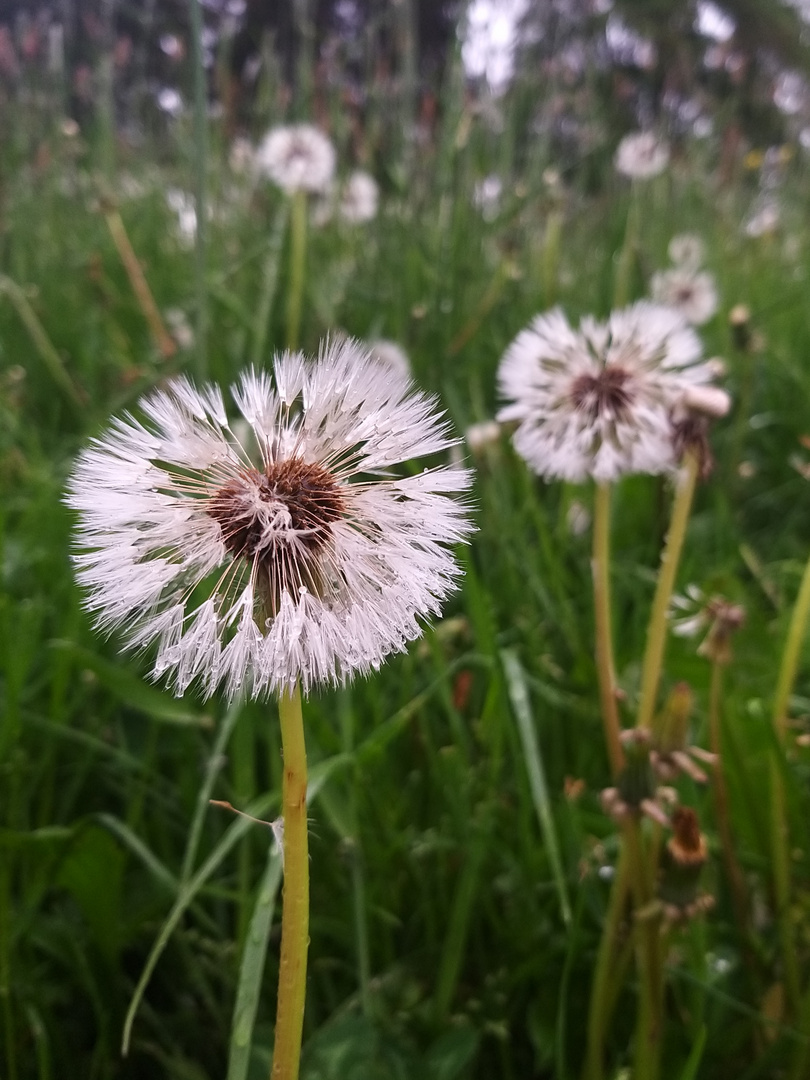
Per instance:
x=649, y=1024
x=137, y=279
x=657, y=629
x=50, y=357
x=624, y=265
x=295, y=898
x=779, y=824
x=270, y=276
x=551, y=257
x=736, y=881
x=298, y=256
x=601, y=999
x=600, y=567
x=200, y=187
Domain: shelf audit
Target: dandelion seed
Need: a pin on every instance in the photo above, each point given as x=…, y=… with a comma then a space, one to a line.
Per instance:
x=691, y=292
x=309, y=563
x=170, y=101
x=487, y=196
x=764, y=221
x=482, y=435
x=597, y=401
x=687, y=251
x=297, y=158
x=179, y=327
x=641, y=156
x=694, y=613
x=241, y=156
x=183, y=206
x=359, y=198
x=577, y=518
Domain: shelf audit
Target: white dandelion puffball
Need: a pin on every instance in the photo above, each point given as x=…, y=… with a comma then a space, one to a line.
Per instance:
x=242, y=156
x=482, y=435
x=308, y=562
x=764, y=221
x=691, y=292
x=183, y=205
x=641, y=155
x=687, y=250
x=359, y=198
x=598, y=401
x=297, y=158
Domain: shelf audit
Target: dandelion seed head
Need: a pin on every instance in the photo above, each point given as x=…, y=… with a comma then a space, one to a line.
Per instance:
x=687, y=250
x=359, y=198
x=597, y=401
x=691, y=292
x=296, y=554
x=641, y=156
x=297, y=157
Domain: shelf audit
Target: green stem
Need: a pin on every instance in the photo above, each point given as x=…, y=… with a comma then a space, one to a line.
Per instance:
x=600, y=567
x=790, y=657
x=292, y=975
x=267, y=293
x=200, y=189
x=551, y=257
x=657, y=630
x=5, y=972
x=780, y=856
x=601, y=998
x=736, y=880
x=779, y=823
x=798, y=1070
x=649, y=1024
x=624, y=266
x=50, y=357
x=298, y=258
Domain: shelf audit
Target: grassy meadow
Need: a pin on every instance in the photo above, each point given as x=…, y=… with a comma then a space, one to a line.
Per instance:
x=461, y=861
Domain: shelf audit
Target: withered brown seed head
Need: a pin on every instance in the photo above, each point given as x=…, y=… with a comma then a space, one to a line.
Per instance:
x=607, y=392
x=686, y=846
x=691, y=433
x=309, y=493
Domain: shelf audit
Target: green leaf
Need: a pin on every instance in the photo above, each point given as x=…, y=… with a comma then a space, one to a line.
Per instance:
x=690, y=1070
x=93, y=873
x=189, y=889
x=252, y=969
x=451, y=1054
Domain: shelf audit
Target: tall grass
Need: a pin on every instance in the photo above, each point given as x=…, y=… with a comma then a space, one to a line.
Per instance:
x=459, y=878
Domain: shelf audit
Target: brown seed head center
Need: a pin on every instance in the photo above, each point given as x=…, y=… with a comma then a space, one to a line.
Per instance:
x=684, y=293
x=608, y=394
x=290, y=502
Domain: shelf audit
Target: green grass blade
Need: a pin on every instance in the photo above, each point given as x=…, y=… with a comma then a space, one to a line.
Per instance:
x=519, y=696
x=130, y=840
x=252, y=968
x=200, y=188
x=187, y=892
x=690, y=1070
x=215, y=763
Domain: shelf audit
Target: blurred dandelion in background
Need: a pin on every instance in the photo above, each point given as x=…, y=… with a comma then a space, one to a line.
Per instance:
x=297, y=157
x=598, y=401
x=641, y=156
x=691, y=292
x=359, y=198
